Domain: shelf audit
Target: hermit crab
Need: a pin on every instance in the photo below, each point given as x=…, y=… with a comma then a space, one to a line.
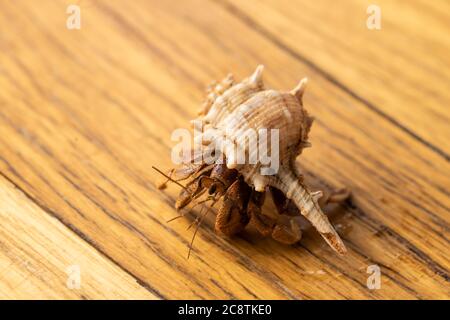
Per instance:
x=229, y=161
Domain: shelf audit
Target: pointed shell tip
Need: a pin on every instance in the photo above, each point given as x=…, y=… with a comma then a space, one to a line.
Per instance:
x=257, y=75
x=299, y=90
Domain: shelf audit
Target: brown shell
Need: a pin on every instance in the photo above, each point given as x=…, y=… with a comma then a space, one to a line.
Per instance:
x=247, y=105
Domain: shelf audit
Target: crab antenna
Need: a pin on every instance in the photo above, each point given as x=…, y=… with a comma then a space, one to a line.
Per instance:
x=169, y=178
x=198, y=226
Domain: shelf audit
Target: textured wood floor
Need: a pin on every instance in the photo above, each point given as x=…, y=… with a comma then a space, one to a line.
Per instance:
x=84, y=114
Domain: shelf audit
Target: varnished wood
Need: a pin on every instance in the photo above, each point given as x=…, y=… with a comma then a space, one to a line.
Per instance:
x=401, y=72
x=42, y=258
x=85, y=114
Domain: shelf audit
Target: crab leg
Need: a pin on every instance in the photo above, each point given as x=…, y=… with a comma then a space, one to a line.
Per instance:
x=284, y=229
x=232, y=216
x=307, y=202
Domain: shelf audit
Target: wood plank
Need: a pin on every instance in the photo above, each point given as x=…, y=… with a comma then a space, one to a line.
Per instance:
x=400, y=72
x=40, y=257
x=84, y=114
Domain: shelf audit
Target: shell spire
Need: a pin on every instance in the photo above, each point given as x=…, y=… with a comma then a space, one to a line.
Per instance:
x=307, y=202
x=256, y=77
x=299, y=90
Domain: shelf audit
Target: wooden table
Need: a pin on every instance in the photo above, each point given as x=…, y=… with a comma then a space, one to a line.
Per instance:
x=84, y=114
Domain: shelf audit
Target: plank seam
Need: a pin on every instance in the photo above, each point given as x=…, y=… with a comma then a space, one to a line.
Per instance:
x=246, y=19
x=85, y=238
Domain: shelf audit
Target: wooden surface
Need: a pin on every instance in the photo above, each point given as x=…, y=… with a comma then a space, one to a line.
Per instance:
x=39, y=257
x=84, y=114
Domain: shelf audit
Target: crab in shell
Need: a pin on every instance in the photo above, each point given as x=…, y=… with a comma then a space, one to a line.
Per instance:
x=231, y=110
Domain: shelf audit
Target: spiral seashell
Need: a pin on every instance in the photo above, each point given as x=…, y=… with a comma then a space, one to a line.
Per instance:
x=248, y=107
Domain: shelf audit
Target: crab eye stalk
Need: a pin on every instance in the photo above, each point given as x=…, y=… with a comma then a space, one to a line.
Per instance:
x=212, y=189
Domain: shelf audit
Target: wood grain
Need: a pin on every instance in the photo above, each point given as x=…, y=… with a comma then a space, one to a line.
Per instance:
x=85, y=114
x=39, y=254
x=400, y=72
